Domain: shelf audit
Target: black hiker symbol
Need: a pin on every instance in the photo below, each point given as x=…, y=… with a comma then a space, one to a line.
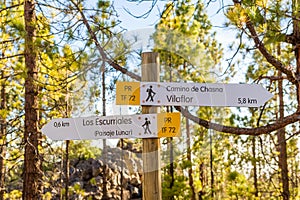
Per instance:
x=146, y=126
x=151, y=93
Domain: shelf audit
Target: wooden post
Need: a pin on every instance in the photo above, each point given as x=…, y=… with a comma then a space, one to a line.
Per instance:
x=151, y=147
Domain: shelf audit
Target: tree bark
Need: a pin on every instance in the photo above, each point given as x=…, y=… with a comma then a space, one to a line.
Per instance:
x=171, y=171
x=282, y=146
x=296, y=42
x=282, y=160
x=189, y=158
x=31, y=155
x=67, y=170
x=105, y=167
x=212, y=179
x=2, y=138
x=283, y=166
x=254, y=163
x=170, y=143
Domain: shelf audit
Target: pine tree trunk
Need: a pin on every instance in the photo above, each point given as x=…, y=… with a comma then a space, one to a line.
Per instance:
x=169, y=109
x=3, y=139
x=202, y=174
x=282, y=146
x=202, y=180
x=254, y=163
x=67, y=114
x=67, y=170
x=296, y=43
x=105, y=181
x=171, y=171
x=31, y=155
x=61, y=176
x=212, y=180
x=189, y=158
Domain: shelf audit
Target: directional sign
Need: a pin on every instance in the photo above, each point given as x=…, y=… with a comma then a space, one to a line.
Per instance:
x=191, y=94
x=109, y=127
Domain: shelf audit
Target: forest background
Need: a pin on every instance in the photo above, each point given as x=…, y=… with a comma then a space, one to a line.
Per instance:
x=63, y=58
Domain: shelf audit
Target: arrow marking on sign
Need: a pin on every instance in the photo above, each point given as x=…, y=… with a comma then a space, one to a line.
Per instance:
x=191, y=94
x=114, y=127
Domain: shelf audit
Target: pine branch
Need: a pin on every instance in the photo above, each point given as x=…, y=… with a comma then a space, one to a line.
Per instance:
x=102, y=51
x=241, y=131
x=10, y=7
x=270, y=58
x=12, y=56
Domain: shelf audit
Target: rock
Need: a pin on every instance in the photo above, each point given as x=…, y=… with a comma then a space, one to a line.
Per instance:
x=126, y=194
x=115, y=180
x=96, y=171
x=135, y=180
x=99, y=180
x=135, y=192
x=122, y=171
x=87, y=174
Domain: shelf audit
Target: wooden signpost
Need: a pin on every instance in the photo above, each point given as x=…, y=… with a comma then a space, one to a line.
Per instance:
x=151, y=124
x=151, y=146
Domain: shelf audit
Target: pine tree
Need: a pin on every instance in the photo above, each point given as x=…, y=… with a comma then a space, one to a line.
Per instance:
x=180, y=38
x=32, y=171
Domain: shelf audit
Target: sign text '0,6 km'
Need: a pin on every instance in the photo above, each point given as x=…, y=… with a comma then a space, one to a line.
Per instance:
x=114, y=127
x=191, y=94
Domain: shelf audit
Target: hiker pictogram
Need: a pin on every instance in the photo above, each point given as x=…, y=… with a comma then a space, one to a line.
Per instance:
x=151, y=94
x=146, y=126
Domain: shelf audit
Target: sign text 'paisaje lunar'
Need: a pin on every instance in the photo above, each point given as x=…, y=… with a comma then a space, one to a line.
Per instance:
x=113, y=127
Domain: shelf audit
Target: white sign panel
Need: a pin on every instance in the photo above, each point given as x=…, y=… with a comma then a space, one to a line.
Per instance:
x=109, y=127
x=203, y=94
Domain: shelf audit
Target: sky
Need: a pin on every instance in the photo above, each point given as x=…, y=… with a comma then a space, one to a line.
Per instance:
x=128, y=10
x=139, y=8
x=130, y=13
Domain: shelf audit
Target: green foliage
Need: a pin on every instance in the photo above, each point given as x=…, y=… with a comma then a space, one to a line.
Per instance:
x=179, y=189
x=93, y=181
x=61, y=80
x=270, y=20
x=76, y=189
x=188, y=52
x=83, y=150
x=13, y=195
x=47, y=196
x=238, y=186
x=184, y=41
